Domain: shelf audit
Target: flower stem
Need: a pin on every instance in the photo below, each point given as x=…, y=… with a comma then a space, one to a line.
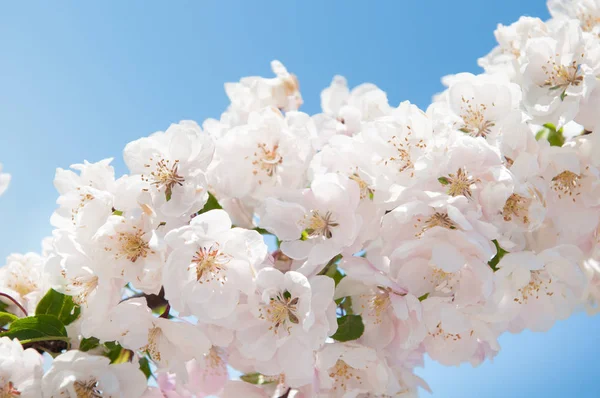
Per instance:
x=15, y=302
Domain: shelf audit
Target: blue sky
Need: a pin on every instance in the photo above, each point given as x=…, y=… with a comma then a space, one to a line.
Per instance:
x=80, y=80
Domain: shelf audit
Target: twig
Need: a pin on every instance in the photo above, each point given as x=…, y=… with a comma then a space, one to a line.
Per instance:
x=15, y=302
x=286, y=394
x=331, y=264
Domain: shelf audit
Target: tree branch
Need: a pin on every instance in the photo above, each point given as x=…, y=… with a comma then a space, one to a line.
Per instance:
x=15, y=302
x=286, y=394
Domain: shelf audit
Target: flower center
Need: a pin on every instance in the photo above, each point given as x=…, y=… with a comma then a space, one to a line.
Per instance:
x=9, y=391
x=437, y=219
x=210, y=264
x=281, y=310
x=566, y=183
x=22, y=285
x=538, y=284
x=365, y=190
x=379, y=303
x=560, y=77
x=588, y=21
x=132, y=245
x=318, y=225
x=83, y=199
x=475, y=122
x=165, y=175
x=154, y=336
x=81, y=287
x=440, y=332
x=87, y=389
x=215, y=362
x=403, y=148
x=459, y=184
x=443, y=281
x=516, y=206
x=343, y=374
x=267, y=160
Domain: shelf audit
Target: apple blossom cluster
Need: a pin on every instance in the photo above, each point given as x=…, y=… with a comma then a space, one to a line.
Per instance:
x=393, y=233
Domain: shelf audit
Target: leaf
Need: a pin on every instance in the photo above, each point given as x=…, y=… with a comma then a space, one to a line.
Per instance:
x=145, y=367
x=345, y=304
x=553, y=136
x=3, y=306
x=256, y=378
x=124, y=356
x=331, y=266
x=39, y=327
x=337, y=276
x=443, y=181
x=350, y=327
x=60, y=305
x=117, y=213
x=116, y=353
x=211, y=204
x=424, y=297
x=6, y=318
x=88, y=344
x=500, y=252
x=113, y=351
x=262, y=231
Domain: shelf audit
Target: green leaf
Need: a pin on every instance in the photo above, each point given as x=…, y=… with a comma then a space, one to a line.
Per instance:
x=3, y=306
x=350, y=327
x=443, y=181
x=117, y=213
x=6, y=318
x=39, y=327
x=114, y=351
x=256, y=378
x=345, y=304
x=500, y=252
x=88, y=344
x=211, y=204
x=145, y=367
x=553, y=136
x=262, y=231
x=424, y=297
x=124, y=356
x=60, y=305
x=331, y=266
x=337, y=276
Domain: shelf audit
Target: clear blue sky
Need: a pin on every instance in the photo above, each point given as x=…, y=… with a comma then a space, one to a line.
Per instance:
x=78, y=81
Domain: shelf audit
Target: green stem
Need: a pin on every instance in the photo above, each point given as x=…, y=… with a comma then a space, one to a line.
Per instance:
x=47, y=338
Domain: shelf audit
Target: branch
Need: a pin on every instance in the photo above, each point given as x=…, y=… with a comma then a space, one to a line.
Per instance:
x=286, y=394
x=15, y=302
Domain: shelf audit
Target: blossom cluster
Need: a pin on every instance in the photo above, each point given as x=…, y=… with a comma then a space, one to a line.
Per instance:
x=393, y=233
